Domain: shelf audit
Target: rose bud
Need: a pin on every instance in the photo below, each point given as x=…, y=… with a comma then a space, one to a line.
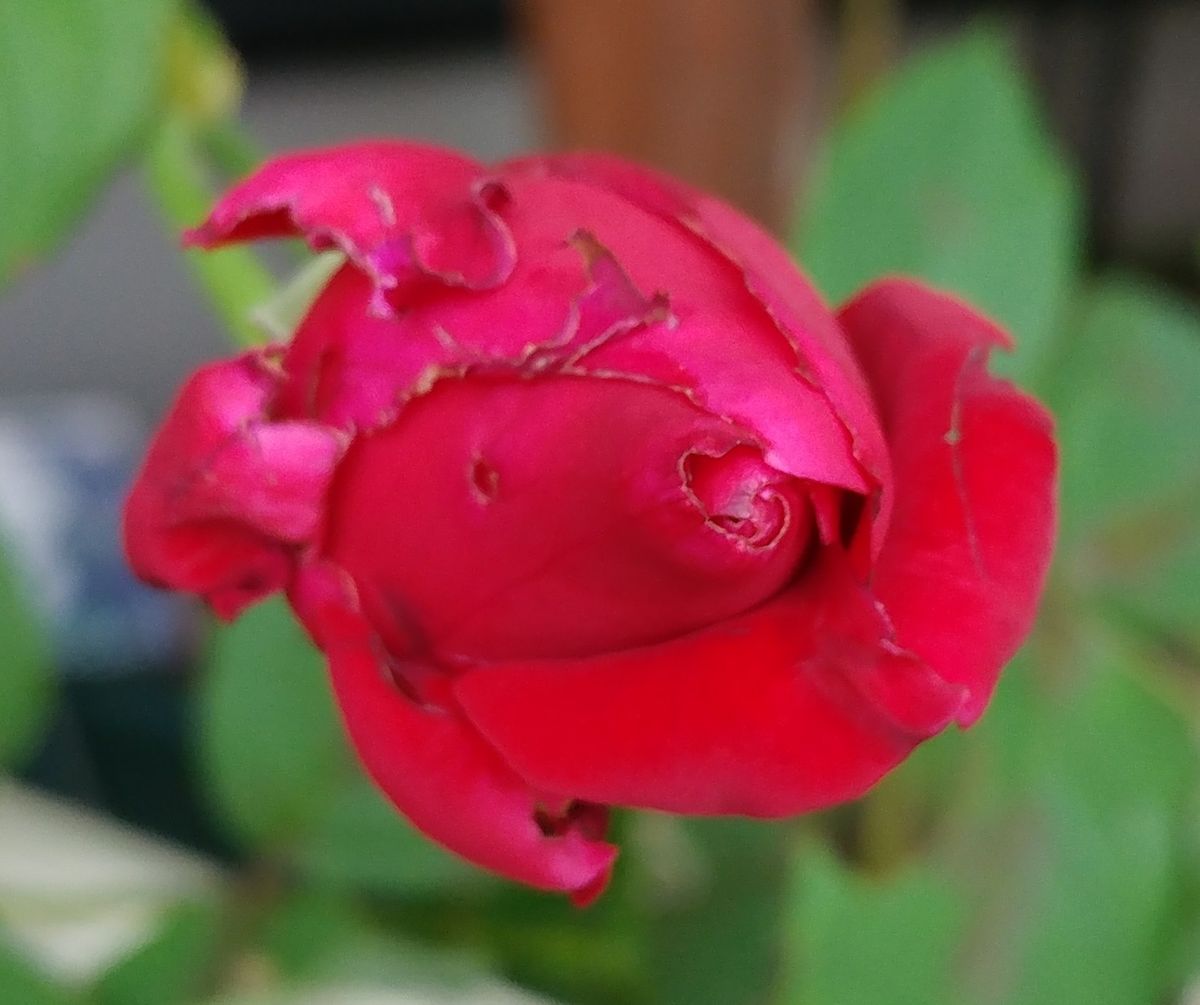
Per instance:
x=589, y=501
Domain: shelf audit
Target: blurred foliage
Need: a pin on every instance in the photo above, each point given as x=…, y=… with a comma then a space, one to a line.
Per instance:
x=282, y=776
x=1126, y=391
x=947, y=173
x=78, y=83
x=26, y=687
x=189, y=148
x=20, y=981
x=1050, y=855
x=171, y=967
x=856, y=940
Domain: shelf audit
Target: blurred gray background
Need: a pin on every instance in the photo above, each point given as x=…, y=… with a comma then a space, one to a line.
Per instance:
x=116, y=310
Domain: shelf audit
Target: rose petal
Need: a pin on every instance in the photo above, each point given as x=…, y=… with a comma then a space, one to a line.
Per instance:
x=717, y=343
x=353, y=369
x=799, y=704
x=436, y=768
x=502, y=517
x=780, y=293
x=974, y=464
x=225, y=495
x=350, y=369
x=403, y=211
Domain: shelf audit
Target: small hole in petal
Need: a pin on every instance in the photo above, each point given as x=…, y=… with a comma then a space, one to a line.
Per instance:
x=589, y=819
x=494, y=195
x=485, y=480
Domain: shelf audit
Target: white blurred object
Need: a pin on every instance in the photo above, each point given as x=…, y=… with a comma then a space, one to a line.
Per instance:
x=78, y=892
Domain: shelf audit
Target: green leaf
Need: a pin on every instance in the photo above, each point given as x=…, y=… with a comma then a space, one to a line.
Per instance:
x=280, y=315
x=946, y=173
x=717, y=942
x=1126, y=395
x=270, y=743
x=26, y=687
x=234, y=279
x=860, y=941
x=1080, y=870
x=1064, y=871
x=77, y=84
x=362, y=842
x=21, y=982
x=318, y=936
x=172, y=967
x=279, y=767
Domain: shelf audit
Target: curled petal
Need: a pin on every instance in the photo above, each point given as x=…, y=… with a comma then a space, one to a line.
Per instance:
x=406, y=213
x=716, y=342
x=971, y=534
x=780, y=294
x=799, y=704
x=226, y=495
x=437, y=770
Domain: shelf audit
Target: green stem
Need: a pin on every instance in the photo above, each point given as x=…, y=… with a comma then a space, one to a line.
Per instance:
x=234, y=280
x=233, y=152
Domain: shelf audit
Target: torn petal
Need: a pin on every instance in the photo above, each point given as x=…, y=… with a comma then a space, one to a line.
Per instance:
x=405, y=213
x=782, y=297
x=225, y=495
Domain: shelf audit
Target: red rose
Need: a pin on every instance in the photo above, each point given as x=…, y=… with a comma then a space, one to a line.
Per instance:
x=589, y=501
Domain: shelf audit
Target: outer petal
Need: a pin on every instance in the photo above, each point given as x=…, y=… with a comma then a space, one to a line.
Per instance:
x=403, y=211
x=436, y=768
x=226, y=495
x=718, y=342
x=973, y=527
x=767, y=273
x=800, y=704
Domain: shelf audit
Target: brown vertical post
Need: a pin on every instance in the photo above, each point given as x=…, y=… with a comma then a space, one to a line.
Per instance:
x=706, y=89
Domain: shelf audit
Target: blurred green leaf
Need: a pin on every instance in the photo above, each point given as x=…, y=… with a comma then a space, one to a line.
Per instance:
x=280, y=315
x=1085, y=865
x=1126, y=393
x=78, y=82
x=853, y=940
x=718, y=941
x=361, y=841
x=270, y=743
x=26, y=687
x=946, y=173
x=21, y=982
x=542, y=941
x=278, y=764
x=1065, y=872
x=178, y=174
x=307, y=930
x=172, y=967
x=319, y=936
